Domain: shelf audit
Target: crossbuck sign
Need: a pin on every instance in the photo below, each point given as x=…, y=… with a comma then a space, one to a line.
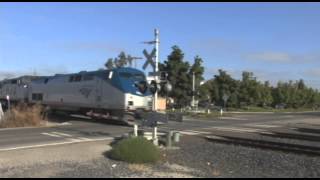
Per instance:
x=149, y=58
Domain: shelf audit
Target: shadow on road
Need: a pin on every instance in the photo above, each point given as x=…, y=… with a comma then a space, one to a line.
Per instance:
x=64, y=117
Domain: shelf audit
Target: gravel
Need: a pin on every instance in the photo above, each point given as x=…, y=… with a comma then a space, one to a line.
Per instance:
x=238, y=161
x=195, y=157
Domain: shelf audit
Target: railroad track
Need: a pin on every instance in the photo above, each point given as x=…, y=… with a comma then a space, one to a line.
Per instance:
x=266, y=144
x=304, y=137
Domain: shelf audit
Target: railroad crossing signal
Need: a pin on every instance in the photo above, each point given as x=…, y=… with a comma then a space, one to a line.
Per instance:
x=154, y=87
x=162, y=74
x=149, y=59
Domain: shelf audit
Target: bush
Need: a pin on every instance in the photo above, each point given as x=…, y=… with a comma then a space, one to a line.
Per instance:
x=135, y=150
x=22, y=115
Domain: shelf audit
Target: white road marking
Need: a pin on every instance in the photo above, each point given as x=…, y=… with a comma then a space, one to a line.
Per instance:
x=83, y=138
x=263, y=125
x=61, y=134
x=73, y=139
x=189, y=133
x=235, y=129
x=232, y=118
x=55, y=144
x=49, y=134
x=200, y=132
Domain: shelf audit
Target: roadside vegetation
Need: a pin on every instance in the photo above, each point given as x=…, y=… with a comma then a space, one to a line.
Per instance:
x=246, y=93
x=22, y=115
x=135, y=150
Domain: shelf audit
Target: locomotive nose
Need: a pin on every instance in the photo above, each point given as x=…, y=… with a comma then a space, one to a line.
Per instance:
x=142, y=86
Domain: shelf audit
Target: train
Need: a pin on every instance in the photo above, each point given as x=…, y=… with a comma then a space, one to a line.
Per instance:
x=120, y=93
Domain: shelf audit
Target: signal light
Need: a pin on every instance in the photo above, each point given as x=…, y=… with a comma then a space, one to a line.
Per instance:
x=154, y=87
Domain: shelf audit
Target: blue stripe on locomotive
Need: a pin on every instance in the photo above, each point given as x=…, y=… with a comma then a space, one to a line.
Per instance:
x=126, y=85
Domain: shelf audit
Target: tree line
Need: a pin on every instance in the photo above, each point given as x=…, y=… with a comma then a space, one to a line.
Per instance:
x=247, y=91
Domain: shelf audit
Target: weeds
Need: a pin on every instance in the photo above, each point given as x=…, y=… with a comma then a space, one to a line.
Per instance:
x=23, y=115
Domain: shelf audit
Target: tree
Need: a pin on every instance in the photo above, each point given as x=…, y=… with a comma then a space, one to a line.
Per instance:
x=109, y=64
x=177, y=71
x=226, y=85
x=121, y=61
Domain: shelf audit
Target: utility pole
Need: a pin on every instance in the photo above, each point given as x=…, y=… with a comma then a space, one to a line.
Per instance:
x=150, y=60
x=156, y=46
x=193, y=90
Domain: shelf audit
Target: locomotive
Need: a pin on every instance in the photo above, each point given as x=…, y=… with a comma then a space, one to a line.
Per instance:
x=120, y=93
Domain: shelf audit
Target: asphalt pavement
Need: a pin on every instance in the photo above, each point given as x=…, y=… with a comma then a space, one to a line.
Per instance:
x=76, y=130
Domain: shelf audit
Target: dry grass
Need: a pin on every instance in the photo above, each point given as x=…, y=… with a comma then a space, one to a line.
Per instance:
x=139, y=168
x=23, y=115
x=216, y=172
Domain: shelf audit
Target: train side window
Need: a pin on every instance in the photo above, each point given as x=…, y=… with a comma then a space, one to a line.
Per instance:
x=46, y=80
x=14, y=81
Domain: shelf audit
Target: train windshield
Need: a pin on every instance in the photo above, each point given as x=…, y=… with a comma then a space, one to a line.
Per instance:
x=132, y=76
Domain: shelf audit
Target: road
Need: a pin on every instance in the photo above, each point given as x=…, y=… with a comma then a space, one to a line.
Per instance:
x=75, y=130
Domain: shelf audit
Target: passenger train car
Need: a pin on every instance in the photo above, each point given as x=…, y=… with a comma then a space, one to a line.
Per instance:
x=119, y=93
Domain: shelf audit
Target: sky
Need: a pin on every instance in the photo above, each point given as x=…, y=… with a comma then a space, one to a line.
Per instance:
x=275, y=41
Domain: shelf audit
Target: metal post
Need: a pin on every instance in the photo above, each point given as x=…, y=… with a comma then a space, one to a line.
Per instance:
x=156, y=46
x=135, y=130
x=155, y=136
x=193, y=89
x=169, y=139
x=176, y=137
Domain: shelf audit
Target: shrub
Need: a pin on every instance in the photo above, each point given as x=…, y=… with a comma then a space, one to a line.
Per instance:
x=135, y=150
x=22, y=115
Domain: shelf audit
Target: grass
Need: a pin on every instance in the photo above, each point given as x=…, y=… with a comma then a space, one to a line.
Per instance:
x=212, y=114
x=261, y=109
x=135, y=150
x=22, y=115
x=229, y=112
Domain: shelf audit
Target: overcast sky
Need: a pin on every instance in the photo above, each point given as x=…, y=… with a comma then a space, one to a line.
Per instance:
x=276, y=41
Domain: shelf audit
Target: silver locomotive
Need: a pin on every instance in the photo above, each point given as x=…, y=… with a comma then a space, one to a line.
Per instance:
x=120, y=93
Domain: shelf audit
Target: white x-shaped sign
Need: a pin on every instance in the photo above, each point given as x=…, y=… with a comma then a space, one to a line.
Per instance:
x=149, y=59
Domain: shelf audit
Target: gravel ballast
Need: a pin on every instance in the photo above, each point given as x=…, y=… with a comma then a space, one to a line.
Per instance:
x=195, y=157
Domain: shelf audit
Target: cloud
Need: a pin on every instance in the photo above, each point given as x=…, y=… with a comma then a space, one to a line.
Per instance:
x=270, y=57
x=282, y=57
x=216, y=45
